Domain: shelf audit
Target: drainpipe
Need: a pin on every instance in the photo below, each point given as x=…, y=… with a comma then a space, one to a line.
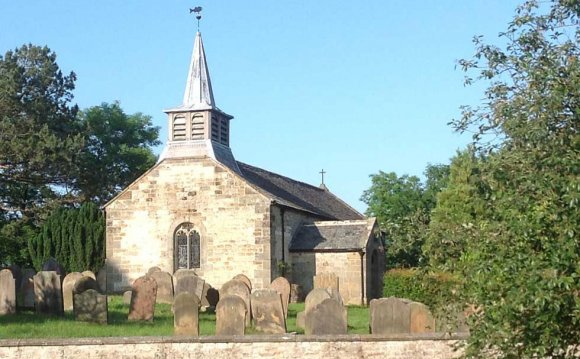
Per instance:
x=282, y=211
x=362, y=278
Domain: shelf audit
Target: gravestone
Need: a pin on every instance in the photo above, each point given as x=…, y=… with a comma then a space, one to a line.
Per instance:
x=210, y=296
x=244, y=279
x=421, y=319
x=180, y=273
x=85, y=283
x=326, y=280
x=164, y=286
x=239, y=288
x=231, y=316
x=67, y=290
x=88, y=273
x=315, y=297
x=186, y=318
x=390, y=315
x=267, y=311
x=127, y=297
x=296, y=293
x=17, y=275
x=52, y=265
x=328, y=317
x=102, y=279
x=27, y=288
x=90, y=306
x=189, y=283
x=7, y=292
x=143, y=298
x=48, y=293
x=153, y=270
x=282, y=286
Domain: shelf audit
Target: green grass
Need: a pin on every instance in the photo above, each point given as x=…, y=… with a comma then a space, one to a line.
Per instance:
x=27, y=324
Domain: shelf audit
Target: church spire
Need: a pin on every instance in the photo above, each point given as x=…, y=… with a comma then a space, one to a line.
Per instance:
x=198, y=93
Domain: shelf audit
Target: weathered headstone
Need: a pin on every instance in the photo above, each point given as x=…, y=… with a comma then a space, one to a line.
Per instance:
x=27, y=288
x=326, y=280
x=282, y=286
x=186, y=318
x=7, y=292
x=315, y=297
x=143, y=299
x=67, y=290
x=244, y=278
x=239, y=288
x=231, y=316
x=390, y=315
x=52, y=265
x=90, y=306
x=328, y=317
x=335, y=294
x=164, y=286
x=153, y=270
x=17, y=274
x=48, y=293
x=88, y=273
x=85, y=283
x=267, y=311
x=421, y=319
x=296, y=293
x=210, y=296
x=102, y=279
x=180, y=273
x=127, y=297
x=189, y=283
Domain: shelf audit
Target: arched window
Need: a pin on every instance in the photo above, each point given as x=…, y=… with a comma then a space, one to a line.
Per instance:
x=179, y=128
x=186, y=247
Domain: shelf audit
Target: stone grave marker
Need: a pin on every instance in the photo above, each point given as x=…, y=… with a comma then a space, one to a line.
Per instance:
x=27, y=288
x=90, y=306
x=231, y=316
x=296, y=293
x=127, y=297
x=210, y=296
x=67, y=290
x=102, y=279
x=180, y=273
x=88, y=273
x=421, y=319
x=244, y=278
x=390, y=315
x=17, y=274
x=85, y=283
x=282, y=286
x=328, y=317
x=326, y=280
x=143, y=298
x=7, y=292
x=239, y=288
x=153, y=270
x=52, y=265
x=315, y=297
x=189, y=283
x=186, y=318
x=48, y=293
x=267, y=311
x=164, y=286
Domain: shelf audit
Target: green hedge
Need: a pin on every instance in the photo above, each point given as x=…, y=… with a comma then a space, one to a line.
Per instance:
x=418, y=286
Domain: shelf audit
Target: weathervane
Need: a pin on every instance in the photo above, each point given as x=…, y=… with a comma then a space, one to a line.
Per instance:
x=197, y=11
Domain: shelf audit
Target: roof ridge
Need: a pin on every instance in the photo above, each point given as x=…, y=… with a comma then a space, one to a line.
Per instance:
x=288, y=178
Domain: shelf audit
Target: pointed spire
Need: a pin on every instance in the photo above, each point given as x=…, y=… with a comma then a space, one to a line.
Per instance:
x=198, y=92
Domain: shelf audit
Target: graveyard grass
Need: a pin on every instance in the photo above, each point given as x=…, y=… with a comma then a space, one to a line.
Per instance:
x=27, y=324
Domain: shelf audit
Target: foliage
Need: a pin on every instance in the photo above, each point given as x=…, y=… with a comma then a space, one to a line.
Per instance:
x=74, y=237
x=402, y=206
x=520, y=248
x=117, y=150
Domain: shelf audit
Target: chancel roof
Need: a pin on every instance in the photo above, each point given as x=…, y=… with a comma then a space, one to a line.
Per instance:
x=333, y=236
x=302, y=196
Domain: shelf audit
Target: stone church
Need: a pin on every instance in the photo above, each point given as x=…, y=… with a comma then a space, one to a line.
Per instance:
x=200, y=208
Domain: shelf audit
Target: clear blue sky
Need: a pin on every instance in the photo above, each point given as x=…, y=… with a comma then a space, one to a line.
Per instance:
x=353, y=87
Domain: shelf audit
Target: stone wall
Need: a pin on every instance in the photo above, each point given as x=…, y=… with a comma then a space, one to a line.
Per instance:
x=433, y=346
x=232, y=218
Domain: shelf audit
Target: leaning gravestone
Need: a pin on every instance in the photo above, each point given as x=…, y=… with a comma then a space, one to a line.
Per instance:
x=164, y=286
x=315, y=297
x=89, y=273
x=90, y=306
x=390, y=315
x=326, y=280
x=27, y=288
x=186, y=318
x=230, y=316
x=244, y=278
x=51, y=265
x=190, y=283
x=48, y=293
x=143, y=297
x=7, y=292
x=328, y=317
x=282, y=286
x=239, y=288
x=67, y=290
x=267, y=311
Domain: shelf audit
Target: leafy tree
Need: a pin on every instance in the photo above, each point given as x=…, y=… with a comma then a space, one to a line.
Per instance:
x=75, y=237
x=117, y=151
x=522, y=251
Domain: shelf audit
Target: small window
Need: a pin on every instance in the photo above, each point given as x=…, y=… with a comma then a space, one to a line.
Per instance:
x=197, y=127
x=179, y=128
x=187, y=246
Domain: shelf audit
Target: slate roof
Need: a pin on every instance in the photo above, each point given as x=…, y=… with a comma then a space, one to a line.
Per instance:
x=333, y=236
x=299, y=195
